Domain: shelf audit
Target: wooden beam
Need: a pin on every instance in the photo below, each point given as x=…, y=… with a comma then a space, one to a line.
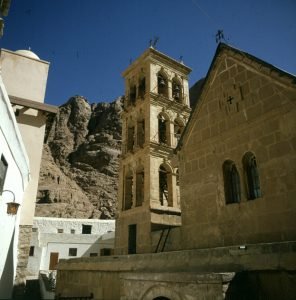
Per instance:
x=34, y=105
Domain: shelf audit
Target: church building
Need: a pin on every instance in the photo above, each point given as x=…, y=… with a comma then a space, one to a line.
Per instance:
x=206, y=199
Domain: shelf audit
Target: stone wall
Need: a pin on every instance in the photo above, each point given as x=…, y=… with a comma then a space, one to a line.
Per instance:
x=244, y=107
x=25, y=232
x=176, y=275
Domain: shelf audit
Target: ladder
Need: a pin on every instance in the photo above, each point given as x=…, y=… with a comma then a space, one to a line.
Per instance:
x=162, y=240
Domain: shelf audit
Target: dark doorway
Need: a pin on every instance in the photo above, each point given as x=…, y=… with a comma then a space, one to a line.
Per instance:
x=132, y=239
x=54, y=259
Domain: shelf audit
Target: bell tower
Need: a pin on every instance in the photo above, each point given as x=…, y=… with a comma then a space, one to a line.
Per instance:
x=156, y=109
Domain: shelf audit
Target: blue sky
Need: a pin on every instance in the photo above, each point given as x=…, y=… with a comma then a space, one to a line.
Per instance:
x=90, y=42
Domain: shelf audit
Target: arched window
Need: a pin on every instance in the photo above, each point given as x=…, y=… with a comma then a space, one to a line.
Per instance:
x=178, y=129
x=177, y=90
x=128, y=190
x=163, y=130
x=251, y=176
x=130, y=138
x=141, y=132
x=142, y=87
x=140, y=186
x=163, y=186
x=133, y=94
x=231, y=182
x=162, y=85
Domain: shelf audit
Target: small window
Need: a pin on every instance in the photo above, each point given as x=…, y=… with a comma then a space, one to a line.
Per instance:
x=34, y=229
x=86, y=229
x=133, y=94
x=251, y=173
x=72, y=251
x=93, y=254
x=231, y=183
x=3, y=170
x=106, y=252
x=31, y=252
x=128, y=191
x=60, y=230
x=142, y=87
x=72, y=231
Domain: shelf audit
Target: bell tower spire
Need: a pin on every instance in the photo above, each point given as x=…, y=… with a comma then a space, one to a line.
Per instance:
x=156, y=109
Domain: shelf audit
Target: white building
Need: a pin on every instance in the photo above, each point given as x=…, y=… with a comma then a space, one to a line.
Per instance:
x=22, y=125
x=14, y=178
x=56, y=238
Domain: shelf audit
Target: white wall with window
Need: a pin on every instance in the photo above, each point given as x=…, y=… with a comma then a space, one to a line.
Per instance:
x=62, y=238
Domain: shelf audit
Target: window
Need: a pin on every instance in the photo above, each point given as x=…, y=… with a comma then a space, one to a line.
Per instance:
x=106, y=251
x=86, y=229
x=72, y=251
x=93, y=254
x=163, y=130
x=164, y=195
x=130, y=138
x=34, y=229
x=231, y=182
x=141, y=133
x=60, y=230
x=251, y=176
x=3, y=170
x=140, y=186
x=133, y=94
x=178, y=129
x=72, y=231
x=31, y=252
x=142, y=87
x=162, y=85
x=128, y=191
x=176, y=93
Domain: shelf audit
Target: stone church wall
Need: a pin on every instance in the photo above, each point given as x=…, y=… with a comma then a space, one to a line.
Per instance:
x=244, y=107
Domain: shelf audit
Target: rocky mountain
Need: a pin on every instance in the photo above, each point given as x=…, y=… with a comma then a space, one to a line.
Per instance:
x=79, y=169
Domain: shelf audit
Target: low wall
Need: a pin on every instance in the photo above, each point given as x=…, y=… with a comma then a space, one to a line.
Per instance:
x=117, y=277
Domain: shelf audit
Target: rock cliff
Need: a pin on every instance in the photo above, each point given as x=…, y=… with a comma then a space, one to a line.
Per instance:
x=79, y=169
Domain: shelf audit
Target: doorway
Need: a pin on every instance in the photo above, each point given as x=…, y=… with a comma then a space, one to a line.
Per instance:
x=54, y=259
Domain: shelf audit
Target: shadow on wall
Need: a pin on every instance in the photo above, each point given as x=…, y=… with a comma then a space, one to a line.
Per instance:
x=6, y=282
x=97, y=246
x=255, y=285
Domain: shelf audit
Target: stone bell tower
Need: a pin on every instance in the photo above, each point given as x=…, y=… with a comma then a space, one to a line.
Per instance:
x=156, y=109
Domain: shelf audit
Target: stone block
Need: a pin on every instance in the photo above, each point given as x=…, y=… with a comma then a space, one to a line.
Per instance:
x=279, y=149
x=272, y=102
x=254, y=111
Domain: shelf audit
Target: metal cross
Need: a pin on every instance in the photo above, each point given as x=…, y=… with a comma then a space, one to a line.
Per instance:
x=230, y=98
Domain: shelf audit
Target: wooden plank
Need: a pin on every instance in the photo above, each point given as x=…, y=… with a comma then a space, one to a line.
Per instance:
x=33, y=104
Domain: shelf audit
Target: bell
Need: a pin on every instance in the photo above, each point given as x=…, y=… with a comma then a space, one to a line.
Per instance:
x=161, y=82
x=177, y=88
